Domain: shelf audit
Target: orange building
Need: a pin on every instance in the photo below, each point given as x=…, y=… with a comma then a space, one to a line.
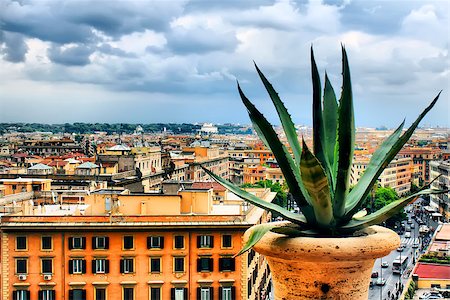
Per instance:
x=131, y=247
x=421, y=156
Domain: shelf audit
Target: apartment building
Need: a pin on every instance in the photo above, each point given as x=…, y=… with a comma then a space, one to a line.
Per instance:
x=441, y=201
x=142, y=246
x=50, y=147
x=421, y=157
x=396, y=175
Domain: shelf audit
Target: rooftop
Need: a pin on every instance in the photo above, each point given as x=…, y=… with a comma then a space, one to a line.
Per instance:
x=434, y=271
x=443, y=232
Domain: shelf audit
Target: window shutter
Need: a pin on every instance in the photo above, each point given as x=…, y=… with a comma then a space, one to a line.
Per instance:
x=212, y=241
x=53, y=295
x=211, y=292
x=70, y=266
x=122, y=262
x=70, y=294
x=185, y=293
x=106, y=242
x=106, y=266
x=199, y=264
x=233, y=264
x=198, y=241
x=28, y=295
x=83, y=294
x=149, y=242
x=132, y=266
x=94, y=246
x=94, y=271
x=162, y=242
x=220, y=264
x=15, y=295
x=211, y=264
x=83, y=266
x=83, y=242
x=70, y=243
x=172, y=294
x=199, y=293
x=220, y=293
x=233, y=292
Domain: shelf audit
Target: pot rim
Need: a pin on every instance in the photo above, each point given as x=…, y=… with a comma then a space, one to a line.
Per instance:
x=378, y=242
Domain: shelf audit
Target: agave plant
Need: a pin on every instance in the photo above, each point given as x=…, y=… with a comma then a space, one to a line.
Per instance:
x=319, y=180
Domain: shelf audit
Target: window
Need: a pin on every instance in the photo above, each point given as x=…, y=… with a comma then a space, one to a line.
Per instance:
x=21, y=266
x=205, y=293
x=178, y=263
x=46, y=243
x=100, y=242
x=226, y=264
x=226, y=241
x=77, y=294
x=21, y=295
x=77, y=266
x=178, y=294
x=107, y=203
x=21, y=243
x=46, y=295
x=227, y=293
x=155, y=293
x=77, y=242
x=100, y=266
x=155, y=242
x=205, y=241
x=126, y=265
x=179, y=242
x=155, y=265
x=47, y=265
x=128, y=242
x=128, y=293
x=100, y=293
x=204, y=264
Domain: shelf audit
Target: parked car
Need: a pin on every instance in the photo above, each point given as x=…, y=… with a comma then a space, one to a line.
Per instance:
x=429, y=296
x=374, y=275
x=381, y=281
x=384, y=264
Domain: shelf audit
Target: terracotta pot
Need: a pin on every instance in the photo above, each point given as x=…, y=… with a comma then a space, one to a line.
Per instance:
x=324, y=268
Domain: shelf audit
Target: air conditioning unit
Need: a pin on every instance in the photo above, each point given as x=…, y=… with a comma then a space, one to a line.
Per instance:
x=22, y=277
x=47, y=277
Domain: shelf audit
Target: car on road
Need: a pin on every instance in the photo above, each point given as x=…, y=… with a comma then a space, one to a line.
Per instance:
x=431, y=295
x=412, y=225
x=423, y=229
x=381, y=281
x=421, y=222
x=409, y=221
x=385, y=264
x=407, y=234
x=408, y=229
x=401, y=248
x=374, y=275
x=416, y=243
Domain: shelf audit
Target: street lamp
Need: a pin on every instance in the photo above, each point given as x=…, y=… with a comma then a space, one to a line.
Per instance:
x=381, y=278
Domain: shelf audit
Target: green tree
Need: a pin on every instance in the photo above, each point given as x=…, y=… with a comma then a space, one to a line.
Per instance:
x=382, y=197
x=281, y=196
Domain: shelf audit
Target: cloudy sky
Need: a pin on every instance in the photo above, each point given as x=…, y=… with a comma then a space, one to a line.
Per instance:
x=178, y=61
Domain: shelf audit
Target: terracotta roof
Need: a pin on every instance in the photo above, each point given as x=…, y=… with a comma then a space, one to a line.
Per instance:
x=207, y=185
x=444, y=233
x=433, y=271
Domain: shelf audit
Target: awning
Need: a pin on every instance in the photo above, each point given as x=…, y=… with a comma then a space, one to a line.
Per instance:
x=429, y=208
x=436, y=214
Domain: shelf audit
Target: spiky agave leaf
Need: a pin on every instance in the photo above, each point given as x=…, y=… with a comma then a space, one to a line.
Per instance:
x=380, y=160
x=285, y=117
x=257, y=233
x=345, y=140
x=316, y=183
x=385, y=212
x=290, y=216
x=290, y=171
x=330, y=115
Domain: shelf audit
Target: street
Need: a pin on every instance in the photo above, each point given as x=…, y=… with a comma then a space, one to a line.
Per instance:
x=389, y=290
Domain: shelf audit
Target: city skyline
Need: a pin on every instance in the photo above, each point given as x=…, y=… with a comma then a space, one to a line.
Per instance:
x=152, y=62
